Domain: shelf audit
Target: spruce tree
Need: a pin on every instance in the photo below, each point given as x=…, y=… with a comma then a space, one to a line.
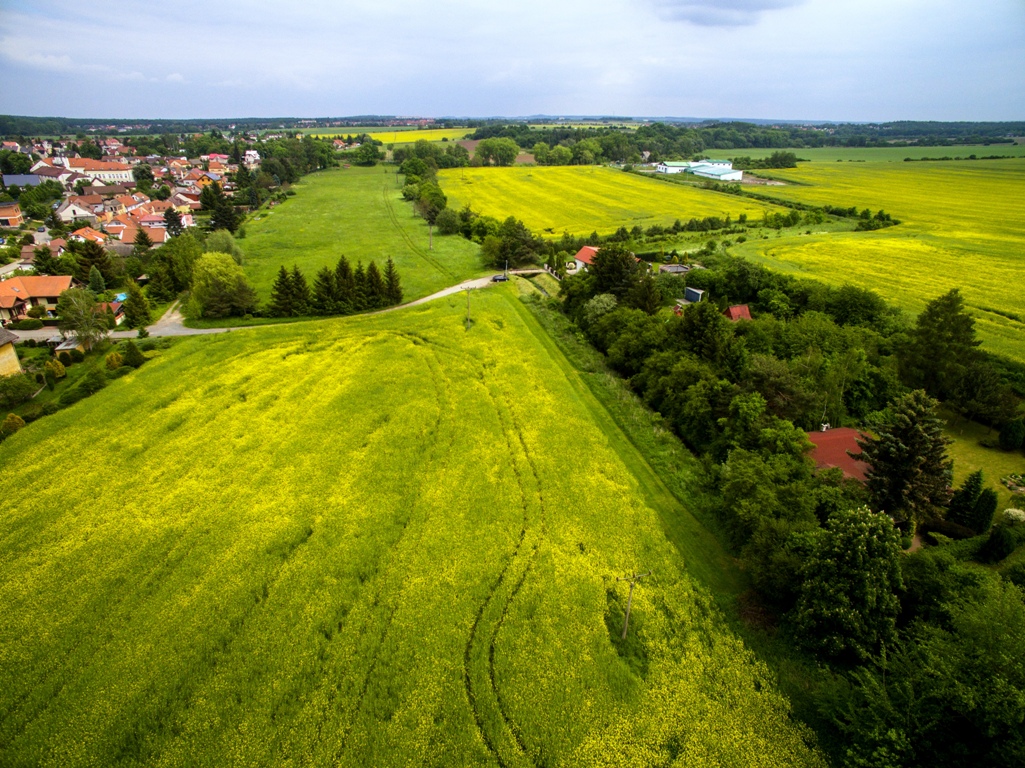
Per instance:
x=282, y=302
x=393, y=288
x=142, y=244
x=173, y=222
x=984, y=510
x=137, y=313
x=943, y=344
x=359, y=288
x=89, y=255
x=345, y=286
x=301, y=298
x=962, y=502
x=375, y=287
x=96, y=284
x=909, y=470
x=324, y=291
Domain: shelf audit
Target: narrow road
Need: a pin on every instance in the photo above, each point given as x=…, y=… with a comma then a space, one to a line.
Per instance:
x=172, y=323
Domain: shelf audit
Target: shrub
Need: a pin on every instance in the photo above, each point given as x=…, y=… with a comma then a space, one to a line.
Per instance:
x=31, y=413
x=15, y=389
x=71, y=396
x=57, y=368
x=114, y=361
x=133, y=355
x=1012, y=435
x=11, y=424
x=29, y=324
x=143, y=333
x=77, y=356
x=64, y=359
x=50, y=408
x=1000, y=544
x=93, y=381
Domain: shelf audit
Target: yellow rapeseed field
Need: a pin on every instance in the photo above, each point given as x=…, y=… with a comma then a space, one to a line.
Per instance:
x=582, y=199
x=392, y=136
x=963, y=227
x=385, y=540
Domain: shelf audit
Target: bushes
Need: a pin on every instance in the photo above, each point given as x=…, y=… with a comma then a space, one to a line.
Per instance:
x=1012, y=435
x=15, y=389
x=28, y=324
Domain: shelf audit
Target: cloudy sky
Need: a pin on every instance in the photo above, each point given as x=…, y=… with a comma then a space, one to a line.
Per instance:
x=785, y=59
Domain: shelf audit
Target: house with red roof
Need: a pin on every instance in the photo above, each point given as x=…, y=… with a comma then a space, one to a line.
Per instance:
x=90, y=234
x=585, y=257
x=833, y=448
x=19, y=294
x=737, y=312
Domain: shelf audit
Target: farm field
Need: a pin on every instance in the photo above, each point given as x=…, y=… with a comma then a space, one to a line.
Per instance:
x=583, y=199
x=393, y=136
x=415, y=565
x=358, y=212
x=876, y=154
x=963, y=227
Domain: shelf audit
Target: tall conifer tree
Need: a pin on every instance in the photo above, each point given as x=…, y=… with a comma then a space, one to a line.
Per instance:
x=393, y=288
x=345, y=286
x=325, y=292
x=282, y=303
x=359, y=292
x=301, y=298
x=375, y=287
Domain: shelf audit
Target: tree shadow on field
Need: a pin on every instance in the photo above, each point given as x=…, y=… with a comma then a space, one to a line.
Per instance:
x=633, y=650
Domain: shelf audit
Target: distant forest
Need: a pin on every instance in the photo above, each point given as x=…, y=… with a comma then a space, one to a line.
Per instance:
x=661, y=139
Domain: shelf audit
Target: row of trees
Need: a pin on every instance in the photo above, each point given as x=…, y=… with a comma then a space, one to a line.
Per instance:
x=338, y=291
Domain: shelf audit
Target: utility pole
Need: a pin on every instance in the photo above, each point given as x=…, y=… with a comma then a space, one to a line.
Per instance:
x=629, y=601
x=468, y=307
x=507, y=268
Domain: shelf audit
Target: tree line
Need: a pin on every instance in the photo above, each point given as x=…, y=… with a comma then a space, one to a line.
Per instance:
x=339, y=291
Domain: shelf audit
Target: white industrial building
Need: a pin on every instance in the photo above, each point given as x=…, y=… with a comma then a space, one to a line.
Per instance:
x=720, y=170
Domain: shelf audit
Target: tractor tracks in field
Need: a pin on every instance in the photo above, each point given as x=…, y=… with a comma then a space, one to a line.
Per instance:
x=408, y=240
x=498, y=730
x=443, y=433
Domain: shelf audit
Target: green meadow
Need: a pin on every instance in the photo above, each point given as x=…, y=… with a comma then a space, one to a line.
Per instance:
x=963, y=226
x=358, y=212
x=385, y=540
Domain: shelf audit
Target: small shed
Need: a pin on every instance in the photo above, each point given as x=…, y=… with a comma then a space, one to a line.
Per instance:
x=674, y=269
x=693, y=295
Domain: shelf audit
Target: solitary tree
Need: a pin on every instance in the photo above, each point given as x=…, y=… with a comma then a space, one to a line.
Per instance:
x=79, y=315
x=909, y=470
x=96, y=284
x=219, y=288
x=847, y=607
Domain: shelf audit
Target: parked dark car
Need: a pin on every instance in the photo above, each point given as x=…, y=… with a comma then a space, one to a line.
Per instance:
x=500, y=278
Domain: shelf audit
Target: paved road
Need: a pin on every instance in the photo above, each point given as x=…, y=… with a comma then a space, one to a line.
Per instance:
x=172, y=322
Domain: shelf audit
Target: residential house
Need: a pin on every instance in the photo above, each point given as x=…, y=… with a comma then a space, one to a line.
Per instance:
x=19, y=294
x=69, y=211
x=116, y=308
x=12, y=146
x=88, y=234
x=585, y=257
x=9, y=363
x=108, y=173
x=10, y=215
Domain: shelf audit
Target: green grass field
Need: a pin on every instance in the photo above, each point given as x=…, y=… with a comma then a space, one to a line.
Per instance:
x=582, y=199
x=963, y=227
x=877, y=154
x=358, y=212
x=386, y=540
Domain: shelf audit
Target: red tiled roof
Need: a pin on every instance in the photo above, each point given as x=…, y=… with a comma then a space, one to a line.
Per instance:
x=586, y=254
x=738, y=312
x=831, y=449
x=24, y=288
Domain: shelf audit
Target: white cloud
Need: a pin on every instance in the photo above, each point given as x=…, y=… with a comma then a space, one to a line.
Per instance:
x=720, y=13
